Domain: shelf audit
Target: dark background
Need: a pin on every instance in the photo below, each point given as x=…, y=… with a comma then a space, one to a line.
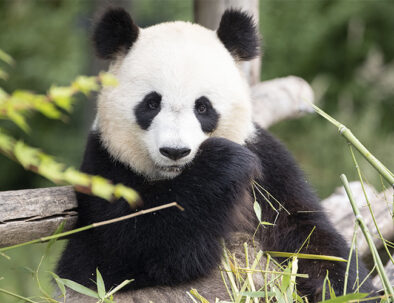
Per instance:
x=345, y=49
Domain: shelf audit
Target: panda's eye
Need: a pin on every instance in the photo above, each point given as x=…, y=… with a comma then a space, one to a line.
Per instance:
x=153, y=100
x=201, y=109
x=202, y=105
x=153, y=104
x=206, y=114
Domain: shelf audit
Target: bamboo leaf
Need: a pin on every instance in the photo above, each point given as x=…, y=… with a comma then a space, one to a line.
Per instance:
x=73, y=176
x=79, y=288
x=62, y=96
x=346, y=298
x=6, y=142
x=6, y=57
x=3, y=74
x=59, y=283
x=256, y=294
x=51, y=169
x=18, y=119
x=100, y=284
x=102, y=188
x=119, y=287
x=257, y=210
x=25, y=155
x=108, y=79
x=3, y=95
x=86, y=84
x=305, y=256
x=130, y=195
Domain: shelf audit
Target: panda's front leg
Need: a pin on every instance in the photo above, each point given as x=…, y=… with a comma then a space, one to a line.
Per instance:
x=209, y=190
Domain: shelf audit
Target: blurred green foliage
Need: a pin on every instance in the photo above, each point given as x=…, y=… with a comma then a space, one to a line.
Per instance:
x=344, y=48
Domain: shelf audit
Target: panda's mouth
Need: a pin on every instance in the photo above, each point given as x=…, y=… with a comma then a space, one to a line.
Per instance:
x=171, y=168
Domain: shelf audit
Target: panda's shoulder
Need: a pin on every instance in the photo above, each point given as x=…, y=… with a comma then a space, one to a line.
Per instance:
x=267, y=146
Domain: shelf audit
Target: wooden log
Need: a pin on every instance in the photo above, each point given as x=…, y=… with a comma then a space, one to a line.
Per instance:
x=340, y=212
x=33, y=213
x=280, y=99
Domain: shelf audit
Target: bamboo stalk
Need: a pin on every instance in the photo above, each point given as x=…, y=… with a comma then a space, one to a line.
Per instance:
x=350, y=258
x=348, y=135
x=94, y=225
x=369, y=205
x=378, y=262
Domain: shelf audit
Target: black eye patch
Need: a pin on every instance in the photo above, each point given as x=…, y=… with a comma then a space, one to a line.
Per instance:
x=147, y=109
x=206, y=114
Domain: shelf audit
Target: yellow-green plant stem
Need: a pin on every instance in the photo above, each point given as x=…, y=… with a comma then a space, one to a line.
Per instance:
x=349, y=260
x=348, y=135
x=369, y=205
x=94, y=225
x=16, y=296
x=378, y=262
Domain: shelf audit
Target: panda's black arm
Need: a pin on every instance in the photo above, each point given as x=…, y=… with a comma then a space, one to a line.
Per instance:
x=282, y=179
x=170, y=246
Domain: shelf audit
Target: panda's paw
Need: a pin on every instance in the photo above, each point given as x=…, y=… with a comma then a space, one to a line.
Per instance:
x=221, y=157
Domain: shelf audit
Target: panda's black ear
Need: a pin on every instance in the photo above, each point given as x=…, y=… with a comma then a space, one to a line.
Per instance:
x=115, y=32
x=239, y=34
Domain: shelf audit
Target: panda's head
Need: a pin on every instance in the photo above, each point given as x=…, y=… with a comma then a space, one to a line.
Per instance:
x=178, y=84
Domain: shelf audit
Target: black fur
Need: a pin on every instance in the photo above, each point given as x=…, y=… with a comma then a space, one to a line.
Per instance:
x=114, y=33
x=238, y=32
x=284, y=181
x=209, y=119
x=147, y=109
x=170, y=246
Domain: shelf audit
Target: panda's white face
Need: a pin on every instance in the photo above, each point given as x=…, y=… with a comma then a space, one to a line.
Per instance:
x=178, y=85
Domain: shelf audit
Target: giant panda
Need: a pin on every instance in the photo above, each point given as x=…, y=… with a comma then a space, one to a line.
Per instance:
x=178, y=127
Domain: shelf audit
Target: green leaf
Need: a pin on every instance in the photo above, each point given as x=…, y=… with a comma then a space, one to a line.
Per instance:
x=18, y=119
x=59, y=283
x=75, y=177
x=102, y=188
x=266, y=223
x=50, y=169
x=256, y=294
x=3, y=95
x=6, y=57
x=62, y=96
x=305, y=256
x=286, y=278
x=3, y=74
x=26, y=155
x=45, y=107
x=119, y=287
x=6, y=142
x=100, y=284
x=346, y=298
x=86, y=84
x=80, y=288
x=257, y=210
x=108, y=79
x=130, y=195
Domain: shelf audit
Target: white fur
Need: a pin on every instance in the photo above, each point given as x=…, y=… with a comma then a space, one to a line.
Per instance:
x=182, y=62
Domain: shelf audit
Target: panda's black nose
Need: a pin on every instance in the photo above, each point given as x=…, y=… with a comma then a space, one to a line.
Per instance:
x=174, y=153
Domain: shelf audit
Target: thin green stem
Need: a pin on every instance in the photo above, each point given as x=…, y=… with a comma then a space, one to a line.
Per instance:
x=94, y=225
x=378, y=262
x=369, y=204
x=350, y=258
x=16, y=296
x=348, y=135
